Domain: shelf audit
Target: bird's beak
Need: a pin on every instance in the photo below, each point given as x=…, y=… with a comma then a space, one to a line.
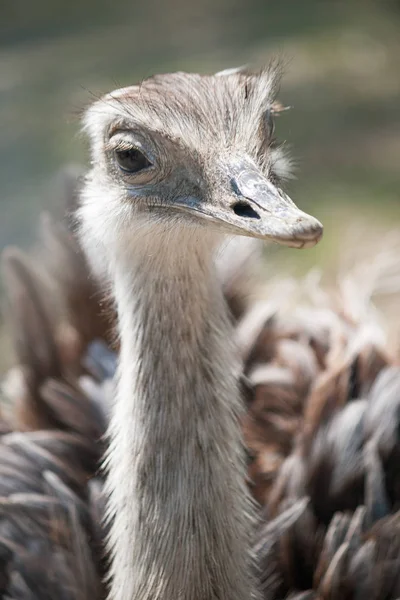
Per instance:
x=253, y=206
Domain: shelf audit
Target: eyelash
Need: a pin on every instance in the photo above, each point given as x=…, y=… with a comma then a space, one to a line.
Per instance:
x=120, y=146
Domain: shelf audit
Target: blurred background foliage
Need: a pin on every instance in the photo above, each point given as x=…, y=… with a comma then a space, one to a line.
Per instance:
x=342, y=80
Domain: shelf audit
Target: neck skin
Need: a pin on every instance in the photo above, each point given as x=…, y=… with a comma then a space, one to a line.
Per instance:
x=180, y=510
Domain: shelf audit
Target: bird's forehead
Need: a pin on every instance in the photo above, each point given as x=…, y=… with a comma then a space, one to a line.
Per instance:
x=203, y=106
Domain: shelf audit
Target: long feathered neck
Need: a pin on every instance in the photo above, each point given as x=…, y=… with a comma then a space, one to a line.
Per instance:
x=181, y=515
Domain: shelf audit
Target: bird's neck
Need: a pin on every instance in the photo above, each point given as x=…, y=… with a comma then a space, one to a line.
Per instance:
x=180, y=509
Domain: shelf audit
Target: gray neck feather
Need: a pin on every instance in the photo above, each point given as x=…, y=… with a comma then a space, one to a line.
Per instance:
x=182, y=517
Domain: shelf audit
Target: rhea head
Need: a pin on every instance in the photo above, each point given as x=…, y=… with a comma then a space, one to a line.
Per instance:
x=184, y=152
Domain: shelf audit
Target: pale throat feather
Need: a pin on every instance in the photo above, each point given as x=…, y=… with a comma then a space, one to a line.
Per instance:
x=181, y=512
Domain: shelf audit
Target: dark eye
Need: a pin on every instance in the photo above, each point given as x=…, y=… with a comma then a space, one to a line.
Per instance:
x=132, y=160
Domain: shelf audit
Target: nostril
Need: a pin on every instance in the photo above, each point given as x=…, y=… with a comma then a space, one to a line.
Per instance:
x=243, y=209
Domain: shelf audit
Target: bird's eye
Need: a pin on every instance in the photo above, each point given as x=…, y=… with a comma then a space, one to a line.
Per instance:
x=132, y=160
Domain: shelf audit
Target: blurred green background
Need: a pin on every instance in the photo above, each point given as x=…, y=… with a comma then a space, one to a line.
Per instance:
x=342, y=80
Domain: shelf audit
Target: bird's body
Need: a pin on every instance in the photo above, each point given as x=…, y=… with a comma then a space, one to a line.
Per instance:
x=164, y=190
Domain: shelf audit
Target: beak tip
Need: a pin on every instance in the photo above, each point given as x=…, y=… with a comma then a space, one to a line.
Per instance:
x=305, y=232
x=309, y=231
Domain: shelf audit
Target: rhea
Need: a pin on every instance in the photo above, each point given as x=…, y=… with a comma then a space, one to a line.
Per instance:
x=180, y=163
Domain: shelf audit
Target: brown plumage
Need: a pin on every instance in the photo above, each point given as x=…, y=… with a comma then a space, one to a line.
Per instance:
x=324, y=425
